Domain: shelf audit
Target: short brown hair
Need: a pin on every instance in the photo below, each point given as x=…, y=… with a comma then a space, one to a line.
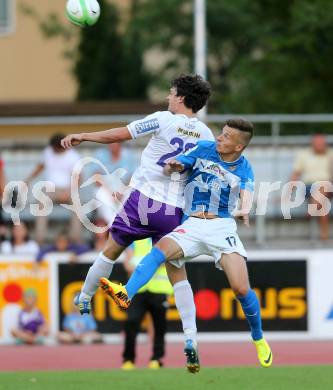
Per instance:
x=242, y=125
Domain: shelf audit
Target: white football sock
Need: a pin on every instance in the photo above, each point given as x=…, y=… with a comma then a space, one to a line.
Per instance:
x=102, y=267
x=186, y=308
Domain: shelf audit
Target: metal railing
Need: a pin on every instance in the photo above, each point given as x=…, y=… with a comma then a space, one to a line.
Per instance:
x=274, y=122
x=274, y=119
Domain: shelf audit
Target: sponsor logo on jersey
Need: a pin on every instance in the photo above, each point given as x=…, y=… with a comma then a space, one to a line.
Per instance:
x=145, y=126
x=213, y=169
x=188, y=133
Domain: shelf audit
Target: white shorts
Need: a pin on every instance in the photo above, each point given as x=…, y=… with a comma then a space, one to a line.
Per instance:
x=212, y=237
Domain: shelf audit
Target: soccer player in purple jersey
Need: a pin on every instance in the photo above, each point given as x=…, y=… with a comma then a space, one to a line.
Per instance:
x=154, y=206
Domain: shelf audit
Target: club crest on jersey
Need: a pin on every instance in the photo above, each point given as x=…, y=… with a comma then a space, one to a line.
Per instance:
x=149, y=125
x=190, y=125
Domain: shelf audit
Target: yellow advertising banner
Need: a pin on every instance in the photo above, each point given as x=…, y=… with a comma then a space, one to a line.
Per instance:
x=15, y=278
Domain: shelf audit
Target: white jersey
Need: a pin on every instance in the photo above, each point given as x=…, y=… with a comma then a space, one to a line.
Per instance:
x=172, y=134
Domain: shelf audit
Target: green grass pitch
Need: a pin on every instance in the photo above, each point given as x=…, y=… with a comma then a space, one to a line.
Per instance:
x=241, y=378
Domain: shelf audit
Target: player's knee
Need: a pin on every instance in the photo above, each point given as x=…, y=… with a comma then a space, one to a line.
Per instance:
x=161, y=246
x=112, y=250
x=170, y=249
x=240, y=290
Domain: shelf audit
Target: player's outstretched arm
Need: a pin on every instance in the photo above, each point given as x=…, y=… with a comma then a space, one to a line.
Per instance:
x=173, y=166
x=119, y=134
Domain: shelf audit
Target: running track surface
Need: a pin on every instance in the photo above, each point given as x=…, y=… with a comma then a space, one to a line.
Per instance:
x=108, y=356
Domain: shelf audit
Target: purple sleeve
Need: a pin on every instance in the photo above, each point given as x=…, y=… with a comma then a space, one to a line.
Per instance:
x=79, y=249
x=41, y=319
x=44, y=251
x=20, y=324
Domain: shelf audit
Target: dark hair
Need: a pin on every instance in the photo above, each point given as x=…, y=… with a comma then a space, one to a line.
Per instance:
x=55, y=140
x=62, y=233
x=242, y=125
x=194, y=88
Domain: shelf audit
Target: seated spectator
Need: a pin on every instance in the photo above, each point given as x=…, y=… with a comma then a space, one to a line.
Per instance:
x=312, y=166
x=32, y=328
x=62, y=244
x=58, y=164
x=20, y=243
x=79, y=329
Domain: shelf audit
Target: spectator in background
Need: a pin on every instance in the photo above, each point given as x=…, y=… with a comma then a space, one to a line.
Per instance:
x=20, y=243
x=62, y=244
x=79, y=329
x=110, y=189
x=152, y=298
x=31, y=328
x=58, y=165
x=314, y=165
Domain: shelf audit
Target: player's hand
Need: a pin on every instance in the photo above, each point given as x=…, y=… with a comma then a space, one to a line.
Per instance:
x=173, y=166
x=71, y=140
x=243, y=216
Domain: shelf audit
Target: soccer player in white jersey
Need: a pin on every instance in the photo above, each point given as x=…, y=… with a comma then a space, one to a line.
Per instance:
x=220, y=177
x=154, y=207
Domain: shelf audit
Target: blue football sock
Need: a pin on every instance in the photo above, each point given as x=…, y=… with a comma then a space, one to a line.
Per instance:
x=144, y=271
x=251, y=309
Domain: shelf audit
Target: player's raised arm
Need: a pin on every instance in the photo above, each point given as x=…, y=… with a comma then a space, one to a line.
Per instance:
x=138, y=128
x=118, y=134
